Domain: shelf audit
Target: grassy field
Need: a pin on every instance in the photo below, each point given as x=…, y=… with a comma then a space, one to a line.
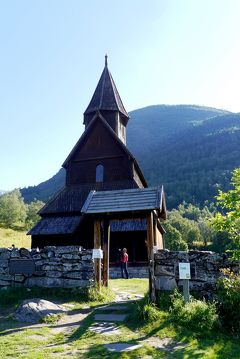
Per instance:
x=53, y=341
x=18, y=238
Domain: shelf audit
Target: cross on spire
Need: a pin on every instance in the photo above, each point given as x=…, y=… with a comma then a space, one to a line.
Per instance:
x=106, y=60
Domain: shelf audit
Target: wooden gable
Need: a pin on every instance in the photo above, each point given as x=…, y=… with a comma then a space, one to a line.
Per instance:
x=99, y=145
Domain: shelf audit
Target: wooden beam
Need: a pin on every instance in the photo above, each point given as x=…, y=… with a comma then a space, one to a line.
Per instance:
x=97, y=245
x=106, y=241
x=150, y=243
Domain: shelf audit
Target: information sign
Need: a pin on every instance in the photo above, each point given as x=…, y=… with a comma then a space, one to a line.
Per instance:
x=97, y=254
x=184, y=271
x=21, y=266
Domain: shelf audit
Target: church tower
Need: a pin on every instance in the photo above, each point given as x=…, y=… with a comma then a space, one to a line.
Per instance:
x=107, y=101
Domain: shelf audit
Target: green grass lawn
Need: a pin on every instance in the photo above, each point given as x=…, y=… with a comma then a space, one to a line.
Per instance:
x=46, y=341
x=18, y=238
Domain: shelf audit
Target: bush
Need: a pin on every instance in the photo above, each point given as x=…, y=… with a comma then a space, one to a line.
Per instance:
x=146, y=311
x=228, y=296
x=105, y=295
x=197, y=315
x=163, y=300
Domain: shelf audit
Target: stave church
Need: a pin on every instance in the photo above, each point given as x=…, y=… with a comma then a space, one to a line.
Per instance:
x=99, y=161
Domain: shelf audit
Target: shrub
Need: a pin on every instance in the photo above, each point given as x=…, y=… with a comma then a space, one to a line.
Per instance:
x=196, y=315
x=228, y=297
x=146, y=311
x=105, y=295
x=51, y=318
x=164, y=300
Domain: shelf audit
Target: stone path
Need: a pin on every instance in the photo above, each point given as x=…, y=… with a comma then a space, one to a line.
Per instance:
x=107, y=317
x=122, y=347
x=106, y=323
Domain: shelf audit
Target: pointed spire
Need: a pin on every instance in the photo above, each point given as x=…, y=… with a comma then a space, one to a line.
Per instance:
x=106, y=96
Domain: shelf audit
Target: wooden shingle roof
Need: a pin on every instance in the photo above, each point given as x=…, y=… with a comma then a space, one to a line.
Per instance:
x=106, y=96
x=71, y=199
x=127, y=200
x=56, y=225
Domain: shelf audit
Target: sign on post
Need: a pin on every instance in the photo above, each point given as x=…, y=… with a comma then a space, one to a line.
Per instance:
x=185, y=274
x=21, y=266
x=184, y=271
x=97, y=254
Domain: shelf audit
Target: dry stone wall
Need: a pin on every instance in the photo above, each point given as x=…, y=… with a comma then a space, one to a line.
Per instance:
x=64, y=267
x=206, y=268
x=134, y=271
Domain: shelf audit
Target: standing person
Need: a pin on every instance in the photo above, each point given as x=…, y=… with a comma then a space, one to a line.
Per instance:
x=124, y=261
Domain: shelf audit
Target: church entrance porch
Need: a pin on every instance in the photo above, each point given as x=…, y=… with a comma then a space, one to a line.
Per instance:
x=106, y=206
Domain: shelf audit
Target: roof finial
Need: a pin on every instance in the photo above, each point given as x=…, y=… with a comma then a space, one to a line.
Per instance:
x=106, y=62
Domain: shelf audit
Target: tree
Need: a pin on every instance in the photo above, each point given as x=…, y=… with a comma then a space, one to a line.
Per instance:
x=188, y=229
x=173, y=239
x=229, y=219
x=32, y=213
x=12, y=209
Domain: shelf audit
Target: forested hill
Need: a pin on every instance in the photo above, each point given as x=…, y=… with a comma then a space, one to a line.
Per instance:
x=191, y=150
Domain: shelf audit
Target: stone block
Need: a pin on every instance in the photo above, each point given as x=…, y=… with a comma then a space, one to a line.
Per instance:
x=70, y=256
x=24, y=253
x=54, y=260
x=14, y=253
x=39, y=273
x=19, y=278
x=67, y=267
x=5, y=254
x=73, y=283
x=54, y=274
x=74, y=275
x=68, y=249
x=82, y=266
x=165, y=283
x=3, y=250
x=4, y=263
x=51, y=254
x=4, y=283
x=36, y=256
x=46, y=282
x=4, y=270
x=86, y=257
x=6, y=277
x=41, y=262
x=164, y=270
x=51, y=268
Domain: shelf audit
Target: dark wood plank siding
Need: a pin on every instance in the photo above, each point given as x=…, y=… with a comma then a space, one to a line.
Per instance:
x=99, y=149
x=100, y=143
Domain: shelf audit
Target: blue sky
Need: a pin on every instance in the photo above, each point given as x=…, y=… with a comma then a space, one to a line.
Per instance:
x=52, y=55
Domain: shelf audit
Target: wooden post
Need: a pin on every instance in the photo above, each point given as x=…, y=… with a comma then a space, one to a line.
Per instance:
x=186, y=294
x=150, y=239
x=97, y=245
x=106, y=240
x=155, y=241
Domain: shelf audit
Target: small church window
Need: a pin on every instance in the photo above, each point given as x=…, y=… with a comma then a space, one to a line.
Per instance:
x=99, y=173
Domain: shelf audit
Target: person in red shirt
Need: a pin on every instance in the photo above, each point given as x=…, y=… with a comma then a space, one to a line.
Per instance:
x=124, y=262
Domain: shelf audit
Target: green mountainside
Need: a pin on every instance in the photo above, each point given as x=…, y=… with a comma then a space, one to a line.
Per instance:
x=191, y=150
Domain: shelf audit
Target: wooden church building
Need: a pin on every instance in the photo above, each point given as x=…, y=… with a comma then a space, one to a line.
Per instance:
x=99, y=161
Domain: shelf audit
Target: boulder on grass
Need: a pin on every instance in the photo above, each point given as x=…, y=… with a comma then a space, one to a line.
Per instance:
x=33, y=310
